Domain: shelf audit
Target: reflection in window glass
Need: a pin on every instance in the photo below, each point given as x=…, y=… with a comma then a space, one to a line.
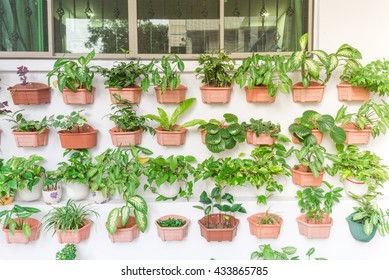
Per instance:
x=178, y=26
x=264, y=25
x=23, y=25
x=91, y=24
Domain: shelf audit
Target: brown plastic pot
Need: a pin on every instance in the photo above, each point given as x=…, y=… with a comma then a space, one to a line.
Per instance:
x=6, y=200
x=211, y=94
x=125, y=138
x=218, y=234
x=176, y=96
x=31, y=139
x=85, y=139
x=263, y=231
x=355, y=136
x=314, y=229
x=172, y=233
x=80, y=97
x=171, y=138
x=19, y=237
x=262, y=139
x=32, y=93
x=258, y=95
x=315, y=132
x=75, y=236
x=127, y=233
x=131, y=94
x=302, y=178
x=313, y=93
x=347, y=92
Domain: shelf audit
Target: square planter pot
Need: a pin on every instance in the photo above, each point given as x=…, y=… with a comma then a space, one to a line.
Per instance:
x=356, y=136
x=19, y=237
x=30, y=94
x=75, y=236
x=173, y=233
x=125, y=138
x=127, y=233
x=218, y=234
x=210, y=95
x=85, y=139
x=262, y=139
x=347, y=92
x=132, y=95
x=313, y=93
x=31, y=139
x=302, y=178
x=258, y=95
x=356, y=230
x=176, y=96
x=80, y=97
x=171, y=138
x=315, y=132
x=312, y=230
x=263, y=231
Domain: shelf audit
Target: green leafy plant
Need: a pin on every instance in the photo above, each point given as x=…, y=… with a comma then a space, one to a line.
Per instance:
x=73, y=74
x=171, y=222
x=15, y=219
x=72, y=122
x=259, y=126
x=350, y=56
x=268, y=219
x=266, y=252
x=303, y=126
x=23, y=125
x=312, y=157
x=51, y=180
x=76, y=169
x=216, y=69
x=170, y=67
x=67, y=253
x=8, y=181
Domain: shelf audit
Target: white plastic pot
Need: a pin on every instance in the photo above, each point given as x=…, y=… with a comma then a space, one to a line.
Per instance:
x=77, y=191
x=355, y=187
x=168, y=190
x=34, y=194
x=99, y=198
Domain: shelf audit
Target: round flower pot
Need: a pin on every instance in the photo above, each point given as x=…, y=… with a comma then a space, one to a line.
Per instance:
x=77, y=191
x=352, y=186
x=6, y=200
x=172, y=233
x=19, y=237
x=356, y=136
x=303, y=178
x=263, y=231
x=53, y=196
x=211, y=95
x=127, y=233
x=171, y=138
x=32, y=93
x=315, y=132
x=258, y=95
x=80, y=97
x=85, y=139
x=99, y=198
x=356, y=230
x=131, y=94
x=31, y=139
x=347, y=92
x=217, y=232
x=313, y=93
x=75, y=236
x=262, y=139
x=177, y=95
x=125, y=138
x=33, y=195
x=169, y=190
x=313, y=229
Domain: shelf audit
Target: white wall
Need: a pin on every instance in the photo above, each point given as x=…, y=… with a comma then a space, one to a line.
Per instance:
x=356, y=22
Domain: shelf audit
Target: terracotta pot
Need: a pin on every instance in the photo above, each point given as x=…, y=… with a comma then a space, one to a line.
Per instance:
x=31, y=139
x=99, y=198
x=263, y=231
x=75, y=236
x=77, y=191
x=313, y=93
x=258, y=95
x=177, y=95
x=85, y=139
x=218, y=234
x=262, y=139
x=356, y=136
x=302, y=178
x=314, y=230
x=80, y=97
x=19, y=236
x=32, y=93
x=356, y=230
x=6, y=200
x=315, y=132
x=172, y=233
x=171, y=138
x=347, y=92
x=52, y=197
x=127, y=233
x=211, y=95
x=352, y=186
x=125, y=138
x=131, y=94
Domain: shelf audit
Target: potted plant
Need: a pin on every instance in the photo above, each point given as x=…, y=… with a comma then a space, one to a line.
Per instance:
x=75, y=133
x=222, y=226
x=29, y=133
x=259, y=72
x=74, y=79
x=67, y=253
x=361, y=171
x=259, y=132
x=371, y=119
x=217, y=72
x=266, y=252
x=168, y=85
x=169, y=133
x=316, y=205
x=18, y=226
x=222, y=135
x=172, y=227
x=121, y=226
x=123, y=80
x=128, y=125
x=310, y=127
x=265, y=225
x=8, y=183
x=27, y=93
x=71, y=222
x=52, y=190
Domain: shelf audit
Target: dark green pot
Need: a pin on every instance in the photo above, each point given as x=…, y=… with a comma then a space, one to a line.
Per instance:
x=357, y=232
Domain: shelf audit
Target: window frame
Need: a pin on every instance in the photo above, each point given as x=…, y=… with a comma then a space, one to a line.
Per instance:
x=133, y=43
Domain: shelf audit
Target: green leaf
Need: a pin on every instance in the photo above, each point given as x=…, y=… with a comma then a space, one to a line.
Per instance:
x=125, y=215
x=297, y=59
x=194, y=123
x=112, y=220
x=82, y=73
x=326, y=123
x=313, y=67
x=289, y=250
x=310, y=251
x=141, y=220
x=26, y=230
x=338, y=135
x=213, y=138
x=182, y=108
x=139, y=203
x=303, y=41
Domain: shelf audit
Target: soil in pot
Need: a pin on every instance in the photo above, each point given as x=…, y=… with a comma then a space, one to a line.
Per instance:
x=212, y=229
x=314, y=229
x=127, y=233
x=259, y=95
x=211, y=95
x=347, y=92
x=131, y=94
x=75, y=236
x=315, y=132
x=31, y=139
x=125, y=138
x=176, y=96
x=313, y=93
x=83, y=138
x=80, y=97
x=263, y=230
x=171, y=138
x=356, y=136
x=173, y=233
x=19, y=237
x=303, y=178
x=32, y=93
x=356, y=230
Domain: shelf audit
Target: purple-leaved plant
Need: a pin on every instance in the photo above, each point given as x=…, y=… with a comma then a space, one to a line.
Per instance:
x=22, y=72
